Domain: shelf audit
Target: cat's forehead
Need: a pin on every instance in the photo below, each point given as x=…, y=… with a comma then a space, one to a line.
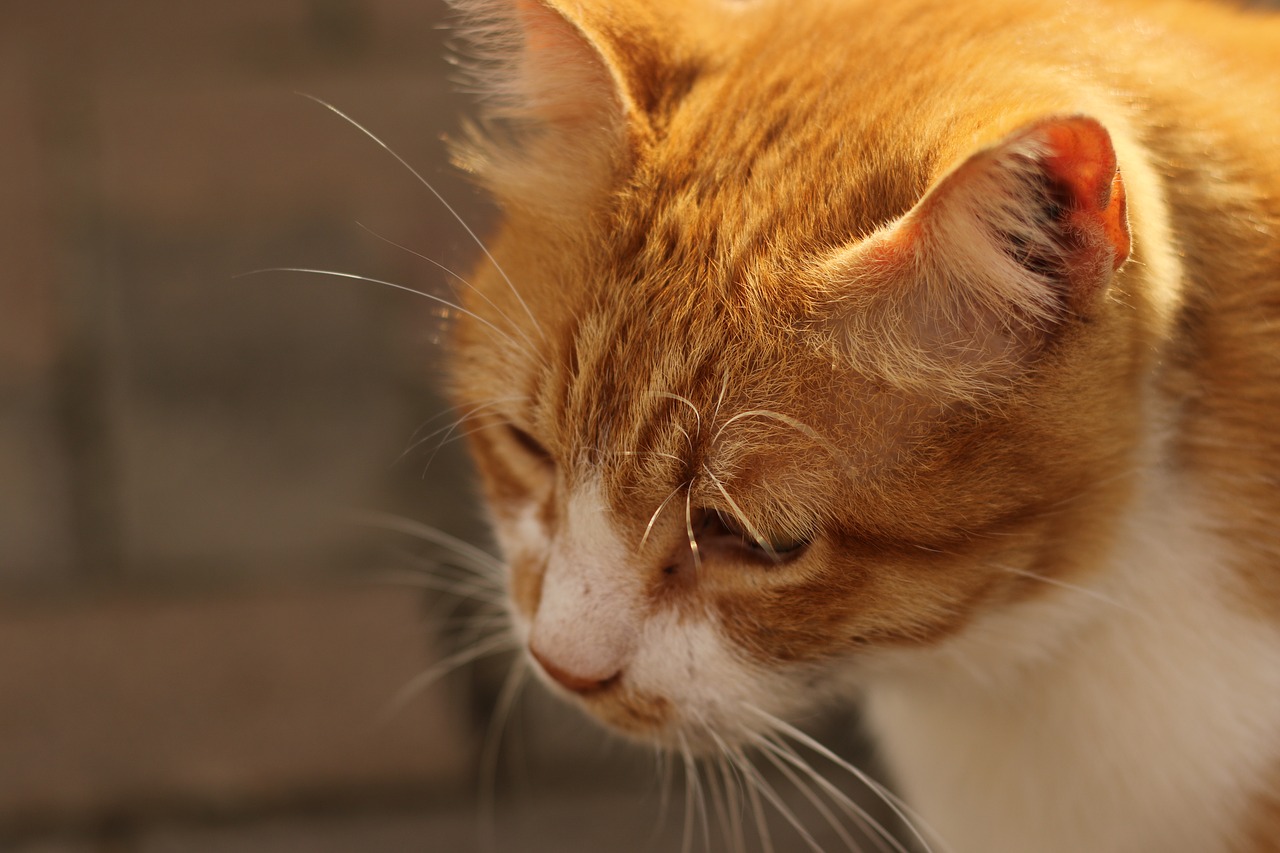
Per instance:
x=774, y=146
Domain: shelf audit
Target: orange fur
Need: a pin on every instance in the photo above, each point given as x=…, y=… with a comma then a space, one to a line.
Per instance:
x=854, y=273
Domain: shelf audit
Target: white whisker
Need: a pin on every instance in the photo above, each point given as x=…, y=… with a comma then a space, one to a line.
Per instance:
x=686, y=835
x=777, y=802
x=742, y=517
x=531, y=348
x=871, y=828
x=718, y=795
x=666, y=770
x=405, y=288
x=500, y=642
x=691, y=768
x=688, y=526
x=800, y=426
x=724, y=386
x=813, y=799
x=507, y=698
x=668, y=395
x=1083, y=590
x=688, y=439
x=515, y=292
x=905, y=813
x=733, y=795
x=472, y=412
x=653, y=519
x=418, y=530
x=753, y=795
x=461, y=588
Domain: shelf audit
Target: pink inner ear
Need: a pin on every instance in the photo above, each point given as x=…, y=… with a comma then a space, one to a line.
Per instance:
x=1082, y=161
x=562, y=76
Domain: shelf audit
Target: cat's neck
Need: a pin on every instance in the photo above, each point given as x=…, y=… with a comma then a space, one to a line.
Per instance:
x=1002, y=736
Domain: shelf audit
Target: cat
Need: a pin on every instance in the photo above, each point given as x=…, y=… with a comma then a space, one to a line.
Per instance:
x=917, y=351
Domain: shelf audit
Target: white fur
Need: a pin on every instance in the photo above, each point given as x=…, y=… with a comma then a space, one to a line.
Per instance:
x=1139, y=724
x=594, y=620
x=591, y=609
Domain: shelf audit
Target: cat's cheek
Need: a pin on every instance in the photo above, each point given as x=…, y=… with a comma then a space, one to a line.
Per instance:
x=525, y=542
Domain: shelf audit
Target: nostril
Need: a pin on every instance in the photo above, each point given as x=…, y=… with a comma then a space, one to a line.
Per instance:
x=576, y=683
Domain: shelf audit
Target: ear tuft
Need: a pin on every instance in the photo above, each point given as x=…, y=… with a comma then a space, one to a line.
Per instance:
x=554, y=105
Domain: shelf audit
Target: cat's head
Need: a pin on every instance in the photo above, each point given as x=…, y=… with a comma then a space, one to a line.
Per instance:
x=795, y=351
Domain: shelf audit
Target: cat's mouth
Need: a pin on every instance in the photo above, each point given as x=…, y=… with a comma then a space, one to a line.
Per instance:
x=613, y=701
x=657, y=718
x=635, y=713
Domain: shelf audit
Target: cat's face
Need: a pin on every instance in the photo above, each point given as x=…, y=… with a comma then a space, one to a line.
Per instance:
x=757, y=410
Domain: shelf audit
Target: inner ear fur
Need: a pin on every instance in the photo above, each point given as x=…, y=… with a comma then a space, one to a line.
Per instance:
x=1020, y=238
x=558, y=85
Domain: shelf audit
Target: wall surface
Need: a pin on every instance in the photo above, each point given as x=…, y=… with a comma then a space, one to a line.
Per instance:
x=193, y=630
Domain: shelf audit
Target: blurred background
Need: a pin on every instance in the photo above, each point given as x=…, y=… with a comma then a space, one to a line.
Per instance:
x=199, y=650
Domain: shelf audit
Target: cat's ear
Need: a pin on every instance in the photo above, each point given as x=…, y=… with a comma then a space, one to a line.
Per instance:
x=1016, y=241
x=557, y=97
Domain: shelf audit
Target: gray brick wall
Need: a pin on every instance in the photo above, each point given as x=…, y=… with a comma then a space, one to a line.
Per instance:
x=187, y=628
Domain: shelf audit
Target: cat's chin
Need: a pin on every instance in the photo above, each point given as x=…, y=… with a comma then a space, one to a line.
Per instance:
x=676, y=724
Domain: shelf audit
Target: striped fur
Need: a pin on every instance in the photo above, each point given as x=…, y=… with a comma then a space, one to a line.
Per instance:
x=925, y=347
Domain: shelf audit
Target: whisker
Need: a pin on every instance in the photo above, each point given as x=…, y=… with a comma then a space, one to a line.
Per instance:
x=719, y=804
x=500, y=642
x=515, y=292
x=688, y=526
x=452, y=566
x=666, y=770
x=459, y=588
x=733, y=786
x=753, y=795
x=871, y=828
x=418, y=530
x=696, y=414
x=686, y=835
x=450, y=439
x=778, y=804
x=355, y=277
x=741, y=516
x=1083, y=590
x=688, y=439
x=482, y=621
x=476, y=626
x=472, y=412
x=658, y=512
x=808, y=793
x=799, y=426
x=905, y=813
x=531, y=347
x=691, y=768
x=733, y=796
x=488, y=793
x=448, y=432
x=724, y=386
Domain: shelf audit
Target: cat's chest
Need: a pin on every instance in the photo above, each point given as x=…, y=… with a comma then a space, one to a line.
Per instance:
x=1146, y=729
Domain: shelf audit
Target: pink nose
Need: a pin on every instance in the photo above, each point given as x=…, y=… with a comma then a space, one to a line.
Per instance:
x=569, y=681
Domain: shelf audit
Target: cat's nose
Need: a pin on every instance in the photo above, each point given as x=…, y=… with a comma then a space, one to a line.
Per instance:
x=581, y=684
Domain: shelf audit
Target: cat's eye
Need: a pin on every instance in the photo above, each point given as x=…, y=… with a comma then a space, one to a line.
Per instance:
x=770, y=545
x=530, y=445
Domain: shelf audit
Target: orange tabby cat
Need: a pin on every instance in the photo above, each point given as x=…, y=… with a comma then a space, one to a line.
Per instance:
x=920, y=348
